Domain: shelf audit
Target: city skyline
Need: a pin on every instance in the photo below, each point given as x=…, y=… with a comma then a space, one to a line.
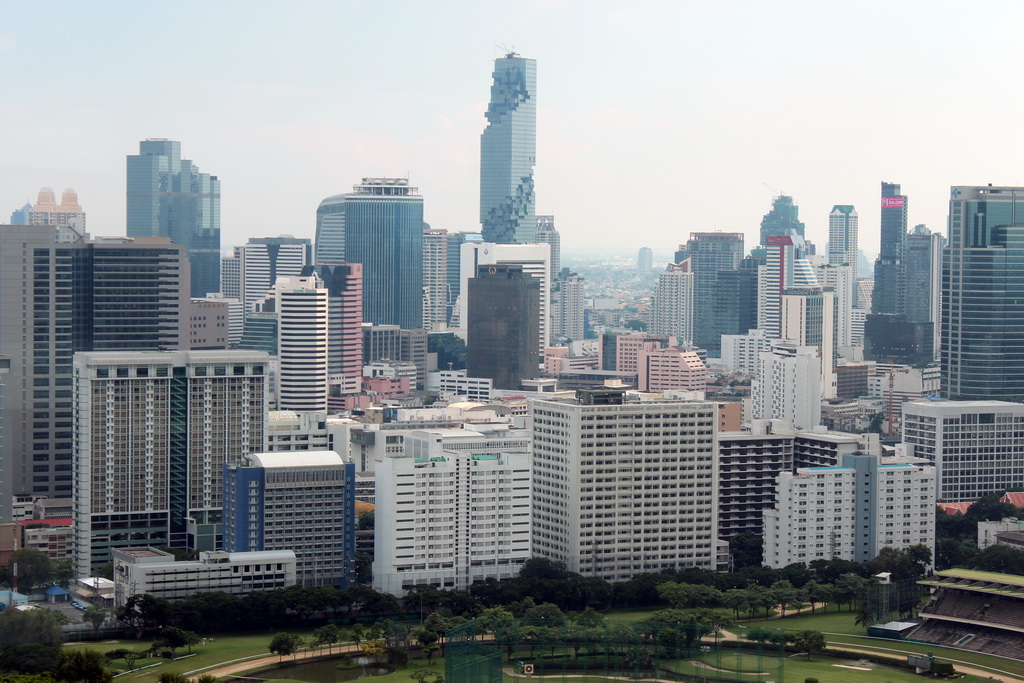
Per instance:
x=606, y=118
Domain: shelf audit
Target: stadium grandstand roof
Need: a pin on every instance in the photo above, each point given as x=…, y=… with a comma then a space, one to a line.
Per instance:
x=983, y=582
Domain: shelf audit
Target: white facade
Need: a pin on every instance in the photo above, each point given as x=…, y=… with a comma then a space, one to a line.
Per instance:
x=568, y=322
x=904, y=383
x=454, y=510
x=842, y=282
x=742, y=352
x=850, y=512
x=302, y=343
x=264, y=260
x=622, y=489
x=843, y=228
x=288, y=430
x=788, y=385
x=673, y=303
x=975, y=445
x=536, y=262
x=808, y=319
x=450, y=383
x=435, y=279
x=155, y=572
x=786, y=267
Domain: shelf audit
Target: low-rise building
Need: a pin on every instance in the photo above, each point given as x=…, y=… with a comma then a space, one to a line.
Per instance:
x=156, y=573
x=989, y=532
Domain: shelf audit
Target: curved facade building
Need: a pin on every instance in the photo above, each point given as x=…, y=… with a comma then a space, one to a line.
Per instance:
x=380, y=225
x=508, y=152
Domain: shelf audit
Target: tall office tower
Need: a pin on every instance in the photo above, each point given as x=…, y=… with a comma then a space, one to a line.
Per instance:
x=982, y=318
x=918, y=260
x=265, y=259
x=568, y=320
x=788, y=385
x=889, y=292
x=169, y=197
x=849, y=512
x=644, y=259
x=808, y=319
x=622, y=489
x=710, y=253
x=535, y=260
x=473, y=525
x=786, y=266
x=501, y=326
x=231, y=275
x=303, y=313
x=546, y=234
x=938, y=246
x=842, y=236
x=843, y=284
x=958, y=436
x=455, y=242
x=59, y=297
x=673, y=303
x=304, y=502
x=391, y=343
x=20, y=216
x=435, y=279
x=67, y=214
x=344, y=284
x=152, y=433
x=735, y=300
x=783, y=218
x=508, y=152
x=380, y=225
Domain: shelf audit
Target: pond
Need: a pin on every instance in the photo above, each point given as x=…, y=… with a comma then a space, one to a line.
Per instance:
x=324, y=671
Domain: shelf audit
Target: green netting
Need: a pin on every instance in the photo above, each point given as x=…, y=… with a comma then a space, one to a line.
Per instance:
x=480, y=652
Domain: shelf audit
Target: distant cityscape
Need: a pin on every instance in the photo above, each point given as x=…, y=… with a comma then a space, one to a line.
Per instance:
x=494, y=396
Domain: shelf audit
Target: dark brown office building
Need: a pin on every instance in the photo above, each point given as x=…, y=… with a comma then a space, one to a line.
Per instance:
x=503, y=325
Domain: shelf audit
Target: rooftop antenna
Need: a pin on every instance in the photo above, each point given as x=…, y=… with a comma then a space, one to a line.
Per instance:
x=509, y=51
x=778, y=193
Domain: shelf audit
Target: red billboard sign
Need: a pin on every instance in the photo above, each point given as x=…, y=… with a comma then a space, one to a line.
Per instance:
x=773, y=240
x=892, y=202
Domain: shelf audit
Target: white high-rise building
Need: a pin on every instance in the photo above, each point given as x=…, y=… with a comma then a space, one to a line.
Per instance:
x=808, y=319
x=546, y=234
x=621, y=488
x=975, y=446
x=842, y=236
x=536, y=262
x=568, y=306
x=265, y=259
x=742, y=352
x=786, y=267
x=452, y=510
x=788, y=385
x=850, y=512
x=435, y=279
x=302, y=343
x=843, y=284
x=152, y=433
x=673, y=303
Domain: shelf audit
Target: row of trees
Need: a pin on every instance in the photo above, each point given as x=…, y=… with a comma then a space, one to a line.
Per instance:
x=847, y=590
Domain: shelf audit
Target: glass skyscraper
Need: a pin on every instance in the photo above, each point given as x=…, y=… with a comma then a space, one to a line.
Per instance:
x=380, y=225
x=888, y=295
x=508, y=152
x=982, y=317
x=169, y=197
x=784, y=216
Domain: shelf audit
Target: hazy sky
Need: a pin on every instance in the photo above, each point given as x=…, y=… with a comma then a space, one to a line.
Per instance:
x=655, y=118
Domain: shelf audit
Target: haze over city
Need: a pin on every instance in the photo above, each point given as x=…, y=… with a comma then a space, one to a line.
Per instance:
x=657, y=119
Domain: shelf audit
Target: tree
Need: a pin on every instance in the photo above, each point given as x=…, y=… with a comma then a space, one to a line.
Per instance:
x=175, y=637
x=142, y=612
x=132, y=656
x=95, y=616
x=326, y=635
x=684, y=595
x=747, y=550
x=548, y=613
x=37, y=626
x=285, y=644
x=30, y=658
x=809, y=641
x=82, y=666
x=62, y=572
x=783, y=593
x=738, y=600
x=425, y=675
x=849, y=588
x=33, y=568
x=364, y=567
x=365, y=521
x=815, y=592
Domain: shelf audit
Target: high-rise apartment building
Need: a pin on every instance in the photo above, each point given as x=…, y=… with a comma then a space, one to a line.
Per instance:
x=344, y=285
x=850, y=512
x=710, y=253
x=303, y=326
x=264, y=259
x=231, y=276
x=435, y=279
x=501, y=327
x=889, y=293
x=674, y=302
x=842, y=236
x=843, y=284
x=788, y=385
x=303, y=502
x=622, y=488
x=546, y=234
x=169, y=197
x=982, y=322
x=975, y=445
x=644, y=259
x=786, y=267
x=808, y=319
x=67, y=214
x=380, y=225
x=783, y=218
x=508, y=153
x=151, y=435
x=568, y=320
x=59, y=297
x=918, y=263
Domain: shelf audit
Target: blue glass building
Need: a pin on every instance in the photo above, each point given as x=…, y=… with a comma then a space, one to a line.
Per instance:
x=169, y=197
x=508, y=152
x=380, y=225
